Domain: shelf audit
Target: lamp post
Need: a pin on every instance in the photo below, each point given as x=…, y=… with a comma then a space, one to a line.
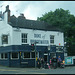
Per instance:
x=35, y=52
x=48, y=52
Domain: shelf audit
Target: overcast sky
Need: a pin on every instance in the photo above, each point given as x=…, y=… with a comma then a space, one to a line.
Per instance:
x=34, y=9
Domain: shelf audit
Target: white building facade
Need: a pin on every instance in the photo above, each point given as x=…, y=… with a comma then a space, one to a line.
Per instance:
x=15, y=43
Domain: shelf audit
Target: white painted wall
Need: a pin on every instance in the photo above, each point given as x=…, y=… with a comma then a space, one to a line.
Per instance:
x=16, y=36
x=5, y=29
x=6, y=17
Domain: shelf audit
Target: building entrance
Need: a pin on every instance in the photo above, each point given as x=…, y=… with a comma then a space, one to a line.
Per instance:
x=45, y=57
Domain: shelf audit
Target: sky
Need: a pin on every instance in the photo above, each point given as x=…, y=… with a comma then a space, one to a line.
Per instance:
x=34, y=9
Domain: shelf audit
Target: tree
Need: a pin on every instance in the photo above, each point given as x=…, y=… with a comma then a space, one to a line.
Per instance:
x=64, y=20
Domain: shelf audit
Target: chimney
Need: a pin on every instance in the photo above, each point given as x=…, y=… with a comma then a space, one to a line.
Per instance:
x=22, y=15
x=7, y=8
x=8, y=13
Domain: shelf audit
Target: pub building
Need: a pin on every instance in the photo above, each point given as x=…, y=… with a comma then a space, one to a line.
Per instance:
x=23, y=40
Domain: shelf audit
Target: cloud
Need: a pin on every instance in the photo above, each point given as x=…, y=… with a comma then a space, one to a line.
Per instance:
x=68, y=5
x=12, y=5
x=34, y=9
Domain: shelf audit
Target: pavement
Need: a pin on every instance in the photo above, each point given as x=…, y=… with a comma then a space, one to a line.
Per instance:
x=13, y=70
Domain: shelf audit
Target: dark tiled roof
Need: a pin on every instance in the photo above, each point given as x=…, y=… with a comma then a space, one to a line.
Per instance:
x=32, y=24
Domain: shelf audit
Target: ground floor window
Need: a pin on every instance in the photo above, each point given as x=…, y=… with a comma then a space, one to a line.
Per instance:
x=26, y=54
x=29, y=54
x=14, y=55
x=6, y=55
x=3, y=55
x=32, y=54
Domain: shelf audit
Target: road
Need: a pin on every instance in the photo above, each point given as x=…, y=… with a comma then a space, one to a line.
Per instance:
x=12, y=70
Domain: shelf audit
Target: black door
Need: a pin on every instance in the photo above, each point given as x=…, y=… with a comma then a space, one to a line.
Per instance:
x=45, y=58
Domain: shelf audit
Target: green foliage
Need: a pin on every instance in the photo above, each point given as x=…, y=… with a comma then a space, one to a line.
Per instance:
x=64, y=20
x=57, y=18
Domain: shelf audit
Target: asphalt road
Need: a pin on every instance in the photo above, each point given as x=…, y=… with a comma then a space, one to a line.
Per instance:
x=11, y=70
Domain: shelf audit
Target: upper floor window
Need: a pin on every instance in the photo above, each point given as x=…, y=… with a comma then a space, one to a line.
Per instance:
x=4, y=39
x=52, y=39
x=24, y=37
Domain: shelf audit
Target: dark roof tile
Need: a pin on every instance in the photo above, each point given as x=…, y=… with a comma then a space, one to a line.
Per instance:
x=32, y=24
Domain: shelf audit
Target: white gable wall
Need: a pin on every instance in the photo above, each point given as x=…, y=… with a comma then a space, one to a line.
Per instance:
x=5, y=29
x=8, y=31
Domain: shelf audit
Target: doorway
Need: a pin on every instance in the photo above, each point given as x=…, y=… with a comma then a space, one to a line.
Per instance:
x=45, y=57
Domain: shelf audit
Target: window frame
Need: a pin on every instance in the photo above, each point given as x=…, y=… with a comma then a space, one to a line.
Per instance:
x=32, y=55
x=24, y=38
x=14, y=52
x=2, y=56
x=26, y=57
x=5, y=55
x=37, y=53
x=52, y=39
x=4, y=39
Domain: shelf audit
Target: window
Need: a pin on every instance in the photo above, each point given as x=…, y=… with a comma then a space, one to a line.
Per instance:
x=32, y=54
x=4, y=39
x=6, y=56
x=14, y=55
x=3, y=56
x=24, y=38
x=26, y=54
x=52, y=39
